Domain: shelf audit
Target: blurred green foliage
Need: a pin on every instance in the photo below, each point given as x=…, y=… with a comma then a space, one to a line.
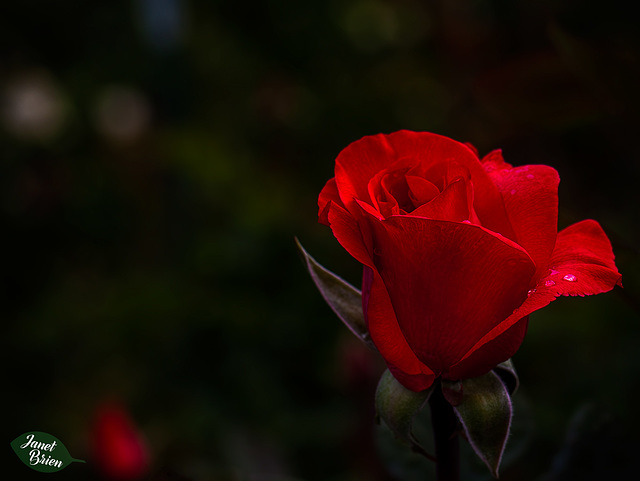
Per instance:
x=158, y=158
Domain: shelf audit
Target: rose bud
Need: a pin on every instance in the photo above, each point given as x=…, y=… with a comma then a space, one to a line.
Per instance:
x=457, y=251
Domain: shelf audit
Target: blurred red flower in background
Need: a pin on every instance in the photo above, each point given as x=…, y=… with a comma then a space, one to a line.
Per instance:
x=119, y=449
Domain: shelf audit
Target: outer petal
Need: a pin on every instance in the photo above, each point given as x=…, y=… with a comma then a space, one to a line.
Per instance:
x=349, y=234
x=328, y=194
x=388, y=338
x=582, y=264
x=494, y=160
x=449, y=283
x=358, y=163
x=485, y=358
x=530, y=196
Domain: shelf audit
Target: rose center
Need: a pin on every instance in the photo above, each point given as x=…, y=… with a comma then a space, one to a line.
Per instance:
x=398, y=192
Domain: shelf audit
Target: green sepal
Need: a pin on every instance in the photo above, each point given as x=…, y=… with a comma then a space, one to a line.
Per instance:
x=485, y=413
x=42, y=452
x=344, y=299
x=397, y=406
x=452, y=391
x=509, y=376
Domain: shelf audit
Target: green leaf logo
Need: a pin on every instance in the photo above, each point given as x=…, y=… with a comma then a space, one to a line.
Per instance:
x=42, y=452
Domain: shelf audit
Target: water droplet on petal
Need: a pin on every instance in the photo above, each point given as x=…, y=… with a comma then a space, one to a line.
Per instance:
x=549, y=283
x=570, y=278
x=513, y=191
x=467, y=221
x=531, y=291
x=530, y=176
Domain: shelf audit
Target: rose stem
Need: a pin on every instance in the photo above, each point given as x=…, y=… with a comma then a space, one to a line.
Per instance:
x=445, y=427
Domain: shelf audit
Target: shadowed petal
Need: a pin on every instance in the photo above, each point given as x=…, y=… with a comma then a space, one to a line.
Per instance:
x=582, y=264
x=452, y=204
x=349, y=234
x=329, y=193
x=491, y=354
x=449, y=283
x=387, y=336
x=421, y=190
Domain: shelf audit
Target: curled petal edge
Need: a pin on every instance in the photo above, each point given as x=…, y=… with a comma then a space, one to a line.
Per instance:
x=581, y=248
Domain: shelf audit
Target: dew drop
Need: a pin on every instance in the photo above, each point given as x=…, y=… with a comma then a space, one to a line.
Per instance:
x=513, y=191
x=467, y=221
x=531, y=291
x=549, y=283
x=530, y=176
x=570, y=278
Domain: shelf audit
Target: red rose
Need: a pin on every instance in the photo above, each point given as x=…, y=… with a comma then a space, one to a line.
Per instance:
x=457, y=251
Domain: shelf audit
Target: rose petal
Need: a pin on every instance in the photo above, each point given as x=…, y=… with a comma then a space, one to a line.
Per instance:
x=387, y=191
x=494, y=161
x=446, y=172
x=452, y=204
x=329, y=193
x=530, y=196
x=583, y=260
x=395, y=184
x=488, y=356
x=449, y=283
x=349, y=234
x=421, y=190
x=472, y=147
x=387, y=336
x=358, y=163
x=582, y=264
x=430, y=148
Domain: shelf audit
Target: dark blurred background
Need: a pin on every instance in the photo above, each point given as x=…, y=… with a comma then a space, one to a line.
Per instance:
x=158, y=158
